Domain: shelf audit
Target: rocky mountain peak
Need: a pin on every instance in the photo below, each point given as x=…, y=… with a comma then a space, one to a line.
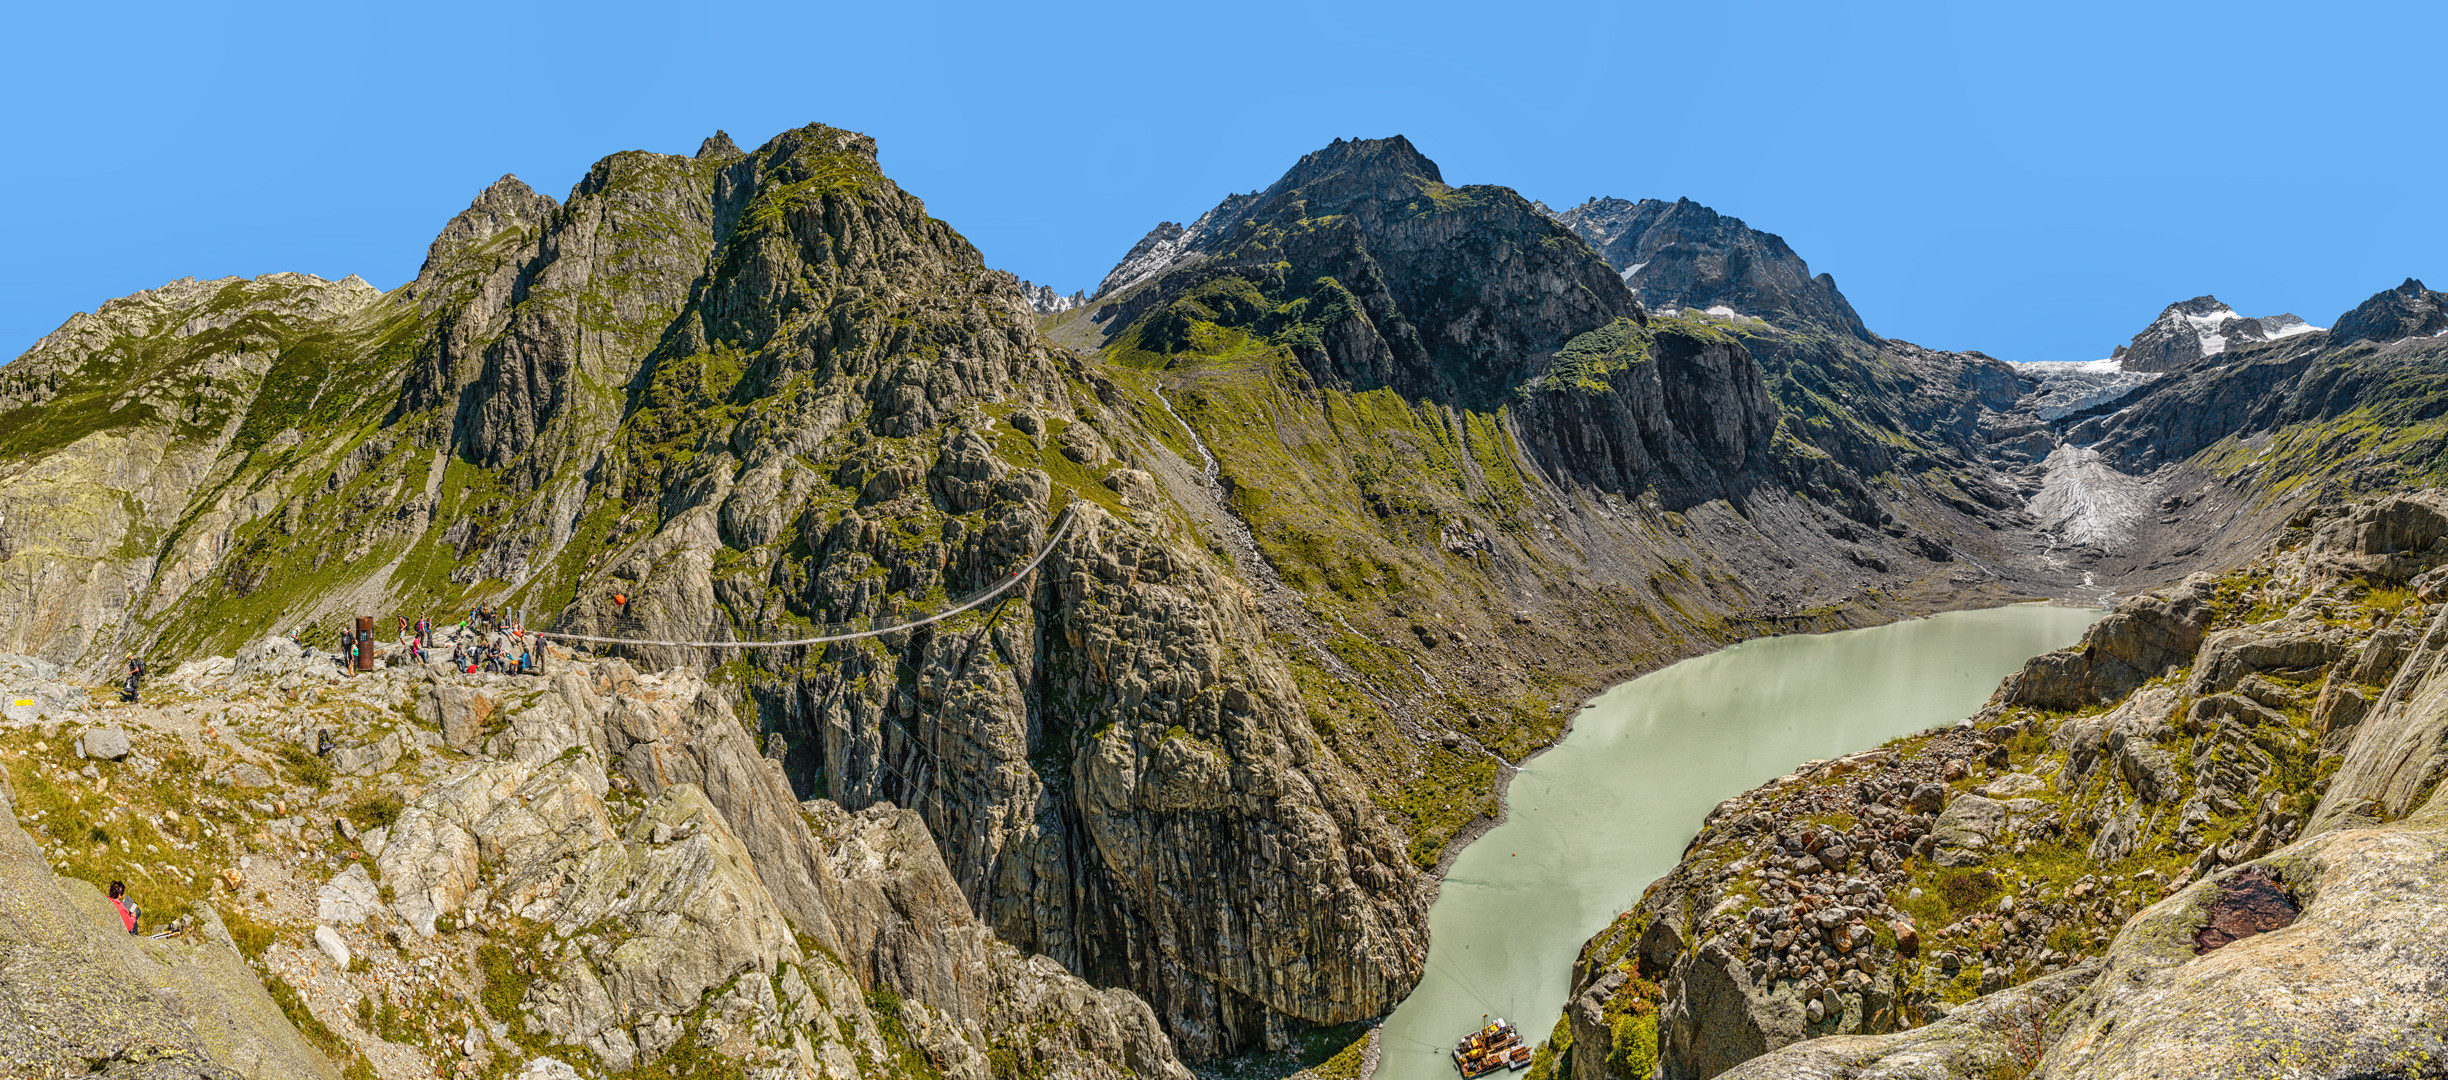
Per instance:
x=2409, y=310
x=1043, y=300
x=1682, y=255
x=504, y=205
x=2189, y=330
x=1448, y=292
x=1328, y=180
x=817, y=141
x=719, y=145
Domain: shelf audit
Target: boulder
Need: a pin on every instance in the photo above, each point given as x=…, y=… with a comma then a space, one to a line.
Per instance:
x=545, y=1068
x=1084, y=444
x=364, y=758
x=2090, y=742
x=2213, y=709
x=107, y=743
x=2389, y=541
x=1717, y=1016
x=462, y=712
x=2228, y=656
x=350, y=897
x=2150, y=769
x=1972, y=825
x=2341, y=707
x=328, y=940
x=1993, y=1035
x=2382, y=654
x=430, y=864
x=2011, y=785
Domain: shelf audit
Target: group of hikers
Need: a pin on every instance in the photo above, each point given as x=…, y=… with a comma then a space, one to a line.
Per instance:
x=488, y=640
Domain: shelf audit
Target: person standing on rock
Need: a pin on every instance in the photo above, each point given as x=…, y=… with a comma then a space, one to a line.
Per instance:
x=127, y=908
x=135, y=675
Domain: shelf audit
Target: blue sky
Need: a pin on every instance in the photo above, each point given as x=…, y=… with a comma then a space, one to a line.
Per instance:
x=2033, y=181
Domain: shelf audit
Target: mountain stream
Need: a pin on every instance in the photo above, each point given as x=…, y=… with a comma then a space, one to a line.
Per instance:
x=1594, y=820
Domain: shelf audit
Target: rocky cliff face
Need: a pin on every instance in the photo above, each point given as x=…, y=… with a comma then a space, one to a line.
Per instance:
x=1873, y=406
x=1681, y=254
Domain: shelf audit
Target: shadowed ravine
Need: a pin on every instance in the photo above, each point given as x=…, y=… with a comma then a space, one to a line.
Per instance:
x=1608, y=810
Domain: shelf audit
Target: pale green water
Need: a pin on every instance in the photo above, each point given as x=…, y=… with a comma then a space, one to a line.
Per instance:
x=1596, y=819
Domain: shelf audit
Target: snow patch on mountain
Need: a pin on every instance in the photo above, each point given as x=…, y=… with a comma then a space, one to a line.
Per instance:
x=2286, y=326
x=2199, y=328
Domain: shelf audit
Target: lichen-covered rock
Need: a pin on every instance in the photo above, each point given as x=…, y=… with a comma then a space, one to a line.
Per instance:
x=1999, y=1034
x=106, y=743
x=686, y=911
x=657, y=913
x=2229, y=656
x=2389, y=540
x=2348, y=988
x=2399, y=749
x=1972, y=823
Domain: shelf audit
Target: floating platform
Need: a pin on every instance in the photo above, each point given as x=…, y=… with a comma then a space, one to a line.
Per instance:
x=1489, y=1049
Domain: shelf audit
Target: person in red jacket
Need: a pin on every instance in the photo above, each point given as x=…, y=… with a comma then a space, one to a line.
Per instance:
x=127, y=907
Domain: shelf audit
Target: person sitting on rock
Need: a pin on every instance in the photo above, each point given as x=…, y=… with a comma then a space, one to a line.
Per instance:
x=127, y=908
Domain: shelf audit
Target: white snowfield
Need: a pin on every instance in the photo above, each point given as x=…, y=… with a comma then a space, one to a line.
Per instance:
x=2211, y=329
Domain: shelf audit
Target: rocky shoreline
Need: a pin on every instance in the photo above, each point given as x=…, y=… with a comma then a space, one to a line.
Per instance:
x=1934, y=900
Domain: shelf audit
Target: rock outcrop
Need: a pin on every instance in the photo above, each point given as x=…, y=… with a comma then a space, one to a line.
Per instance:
x=626, y=882
x=80, y=996
x=2146, y=637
